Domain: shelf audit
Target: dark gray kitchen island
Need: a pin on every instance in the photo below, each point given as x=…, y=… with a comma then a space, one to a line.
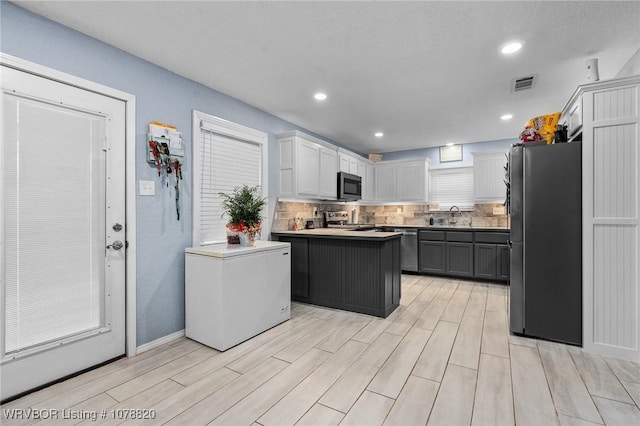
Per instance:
x=351, y=270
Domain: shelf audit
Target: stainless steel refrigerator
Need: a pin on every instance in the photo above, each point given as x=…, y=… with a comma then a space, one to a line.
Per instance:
x=546, y=241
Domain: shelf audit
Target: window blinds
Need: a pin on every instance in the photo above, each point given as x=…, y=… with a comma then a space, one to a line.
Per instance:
x=452, y=186
x=225, y=163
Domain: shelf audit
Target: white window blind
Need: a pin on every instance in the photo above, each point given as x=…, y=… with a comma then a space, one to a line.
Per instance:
x=225, y=163
x=452, y=187
x=51, y=214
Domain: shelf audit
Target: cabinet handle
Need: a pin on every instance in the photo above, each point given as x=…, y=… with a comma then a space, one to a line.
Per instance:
x=284, y=254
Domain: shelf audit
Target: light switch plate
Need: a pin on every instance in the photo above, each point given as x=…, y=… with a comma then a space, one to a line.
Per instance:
x=147, y=187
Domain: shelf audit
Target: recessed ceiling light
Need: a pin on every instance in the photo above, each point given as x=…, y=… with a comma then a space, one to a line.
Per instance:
x=450, y=144
x=378, y=134
x=506, y=117
x=320, y=96
x=511, y=47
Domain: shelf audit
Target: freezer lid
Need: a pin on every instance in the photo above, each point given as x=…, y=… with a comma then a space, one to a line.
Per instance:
x=225, y=250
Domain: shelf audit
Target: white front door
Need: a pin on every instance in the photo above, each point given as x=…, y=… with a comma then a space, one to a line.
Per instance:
x=62, y=174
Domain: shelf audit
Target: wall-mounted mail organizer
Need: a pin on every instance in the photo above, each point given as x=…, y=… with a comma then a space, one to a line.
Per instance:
x=165, y=150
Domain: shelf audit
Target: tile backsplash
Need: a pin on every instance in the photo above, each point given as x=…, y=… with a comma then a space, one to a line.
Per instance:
x=482, y=215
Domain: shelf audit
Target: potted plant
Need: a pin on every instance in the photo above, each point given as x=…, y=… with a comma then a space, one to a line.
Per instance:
x=243, y=207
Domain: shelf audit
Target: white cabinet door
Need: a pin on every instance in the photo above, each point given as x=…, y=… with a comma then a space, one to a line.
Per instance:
x=385, y=182
x=328, y=178
x=343, y=160
x=348, y=163
x=365, y=171
x=411, y=181
x=488, y=177
x=308, y=168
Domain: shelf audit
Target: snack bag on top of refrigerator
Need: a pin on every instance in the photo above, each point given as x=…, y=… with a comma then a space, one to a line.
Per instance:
x=540, y=128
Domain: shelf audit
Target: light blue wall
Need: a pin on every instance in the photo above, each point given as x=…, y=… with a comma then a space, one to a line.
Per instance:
x=160, y=96
x=433, y=154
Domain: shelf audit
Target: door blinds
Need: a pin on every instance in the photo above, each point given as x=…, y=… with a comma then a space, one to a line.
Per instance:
x=225, y=163
x=452, y=187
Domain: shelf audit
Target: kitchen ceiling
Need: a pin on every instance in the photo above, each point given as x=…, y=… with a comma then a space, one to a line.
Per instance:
x=424, y=73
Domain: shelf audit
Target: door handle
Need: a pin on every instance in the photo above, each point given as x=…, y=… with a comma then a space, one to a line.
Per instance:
x=116, y=245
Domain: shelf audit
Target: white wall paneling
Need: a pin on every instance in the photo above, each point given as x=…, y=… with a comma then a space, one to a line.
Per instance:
x=611, y=181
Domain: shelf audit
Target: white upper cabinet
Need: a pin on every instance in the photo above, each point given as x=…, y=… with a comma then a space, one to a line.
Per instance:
x=308, y=167
x=365, y=171
x=385, y=182
x=328, y=173
x=348, y=161
x=402, y=180
x=488, y=177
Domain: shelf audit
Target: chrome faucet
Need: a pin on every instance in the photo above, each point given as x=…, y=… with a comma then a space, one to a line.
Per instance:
x=453, y=219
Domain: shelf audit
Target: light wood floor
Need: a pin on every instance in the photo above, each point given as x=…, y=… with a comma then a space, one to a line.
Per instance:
x=444, y=357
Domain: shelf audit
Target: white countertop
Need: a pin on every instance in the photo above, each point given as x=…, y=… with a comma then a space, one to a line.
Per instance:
x=225, y=250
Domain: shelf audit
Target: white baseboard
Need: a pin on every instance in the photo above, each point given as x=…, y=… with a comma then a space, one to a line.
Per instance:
x=159, y=342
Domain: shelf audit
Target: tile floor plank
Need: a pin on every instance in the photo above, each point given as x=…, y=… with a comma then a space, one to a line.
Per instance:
x=343, y=333
x=494, y=334
x=532, y=400
x=157, y=375
x=344, y=393
x=634, y=391
x=617, y=413
x=403, y=323
x=570, y=395
x=222, y=399
x=414, y=403
x=146, y=400
x=626, y=371
x=117, y=377
x=255, y=357
x=433, y=360
x=432, y=313
x=251, y=407
x=476, y=304
x=321, y=415
x=466, y=349
x=454, y=403
x=598, y=377
x=296, y=403
x=369, y=409
x=393, y=374
x=172, y=405
x=572, y=421
x=494, y=397
x=457, y=305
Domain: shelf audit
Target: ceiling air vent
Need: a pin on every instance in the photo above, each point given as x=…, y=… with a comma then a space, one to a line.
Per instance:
x=523, y=83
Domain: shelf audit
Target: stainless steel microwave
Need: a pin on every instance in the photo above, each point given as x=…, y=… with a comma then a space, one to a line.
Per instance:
x=349, y=187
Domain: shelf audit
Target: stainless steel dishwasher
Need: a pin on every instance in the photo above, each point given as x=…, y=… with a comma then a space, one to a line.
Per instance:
x=408, y=249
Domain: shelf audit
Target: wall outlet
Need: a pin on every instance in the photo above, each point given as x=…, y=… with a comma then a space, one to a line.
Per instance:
x=315, y=212
x=499, y=210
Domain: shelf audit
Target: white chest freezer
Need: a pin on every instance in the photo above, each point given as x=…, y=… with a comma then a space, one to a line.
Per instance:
x=235, y=293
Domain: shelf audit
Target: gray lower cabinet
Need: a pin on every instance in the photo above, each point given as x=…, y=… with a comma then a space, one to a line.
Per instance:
x=504, y=260
x=459, y=259
x=464, y=253
x=492, y=256
x=486, y=258
x=299, y=268
x=432, y=257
